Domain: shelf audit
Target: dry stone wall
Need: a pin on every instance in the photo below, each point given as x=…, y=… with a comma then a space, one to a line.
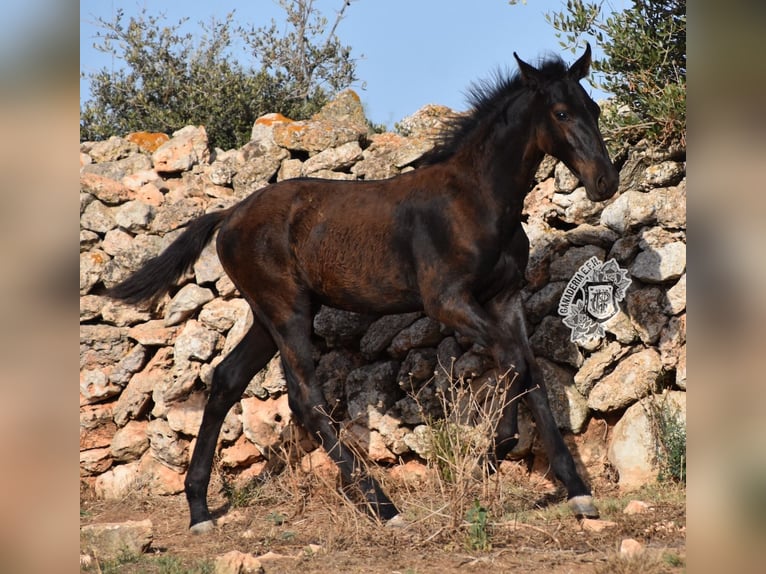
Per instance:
x=145, y=372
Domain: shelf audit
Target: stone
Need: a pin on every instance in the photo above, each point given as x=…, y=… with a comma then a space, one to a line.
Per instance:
x=135, y=181
x=672, y=339
x=242, y=453
x=634, y=377
x=175, y=384
x=671, y=208
x=119, y=169
x=185, y=416
x=633, y=444
x=92, y=264
x=269, y=381
x=424, y=332
x=663, y=174
x=577, y=208
x=417, y=367
x=565, y=181
x=551, y=339
x=545, y=301
x=96, y=387
x=370, y=442
x=98, y=217
x=316, y=135
x=596, y=525
x=113, y=540
x=372, y=388
x=337, y=326
x=318, y=462
x=676, y=297
x=569, y=407
x=147, y=142
x=263, y=421
x=290, y=169
x=624, y=249
x=662, y=264
x=681, y=369
x=208, y=268
x=331, y=372
x=646, y=311
x=634, y=209
x=262, y=160
x=419, y=441
x=157, y=478
x=428, y=122
x=95, y=461
x=112, y=149
x=122, y=314
x=596, y=364
x=117, y=482
x=236, y=562
x=562, y=268
x=221, y=314
x=172, y=215
x=135, y=216
x=382, y=331
x=102, y=345
x=136, y=397
x=104, y=189
x=195, y=341
x=186, y=303
x=116, y=241
x=587, y=234
x=187, y=147
x=470, y=365
x=128, y=365
x=631, y=547
x=150, y=194
x=130, y=442
x=166, y=446
x=637, y=507
x=153, y=333
x=333, y=159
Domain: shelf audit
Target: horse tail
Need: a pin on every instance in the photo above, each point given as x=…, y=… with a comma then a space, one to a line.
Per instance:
x=160, y=273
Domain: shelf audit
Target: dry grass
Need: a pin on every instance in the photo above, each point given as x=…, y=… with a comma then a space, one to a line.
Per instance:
x=461, y=518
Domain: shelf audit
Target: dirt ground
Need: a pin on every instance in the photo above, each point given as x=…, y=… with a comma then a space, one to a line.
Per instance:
x=298, y=523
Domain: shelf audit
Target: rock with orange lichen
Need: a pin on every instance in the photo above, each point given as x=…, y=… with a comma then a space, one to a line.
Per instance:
x=341, y=121
x=148, y=141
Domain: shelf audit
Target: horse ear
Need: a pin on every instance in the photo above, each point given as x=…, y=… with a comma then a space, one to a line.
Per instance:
x=529, y=74
x=581, y=67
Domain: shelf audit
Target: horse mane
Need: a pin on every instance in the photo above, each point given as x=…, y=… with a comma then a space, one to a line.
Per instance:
x=487, y=99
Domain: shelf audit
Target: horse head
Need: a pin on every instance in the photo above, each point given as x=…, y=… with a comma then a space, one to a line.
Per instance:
x=567, y=125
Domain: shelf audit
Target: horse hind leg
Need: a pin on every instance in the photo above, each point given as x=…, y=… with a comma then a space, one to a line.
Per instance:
x=230, y=379
x=310, y=409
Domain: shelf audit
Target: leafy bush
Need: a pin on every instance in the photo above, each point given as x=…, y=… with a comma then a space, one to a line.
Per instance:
x=172, y=79
x=644, y=65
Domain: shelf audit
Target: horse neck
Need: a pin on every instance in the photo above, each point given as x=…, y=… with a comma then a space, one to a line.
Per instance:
x=506, y=164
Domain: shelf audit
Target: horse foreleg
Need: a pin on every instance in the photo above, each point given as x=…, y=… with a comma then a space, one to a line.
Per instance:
x=563, y=465
x=230, y=379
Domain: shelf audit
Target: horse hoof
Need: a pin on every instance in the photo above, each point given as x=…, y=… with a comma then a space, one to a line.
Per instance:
x=582, y=506
x=202, y=527
x=397, y=521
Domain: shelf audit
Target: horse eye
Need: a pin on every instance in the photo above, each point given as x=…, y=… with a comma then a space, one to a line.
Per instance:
x=562, y=116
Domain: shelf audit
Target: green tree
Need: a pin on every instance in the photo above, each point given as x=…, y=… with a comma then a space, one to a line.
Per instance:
x=171, y=79
x=644, y=64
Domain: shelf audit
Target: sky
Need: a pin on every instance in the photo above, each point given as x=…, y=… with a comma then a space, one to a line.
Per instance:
x=409, y=52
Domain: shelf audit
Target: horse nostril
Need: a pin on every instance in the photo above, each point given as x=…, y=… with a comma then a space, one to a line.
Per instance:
x=601, y=184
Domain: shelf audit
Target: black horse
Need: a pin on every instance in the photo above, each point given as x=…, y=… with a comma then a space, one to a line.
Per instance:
x=446, y=239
